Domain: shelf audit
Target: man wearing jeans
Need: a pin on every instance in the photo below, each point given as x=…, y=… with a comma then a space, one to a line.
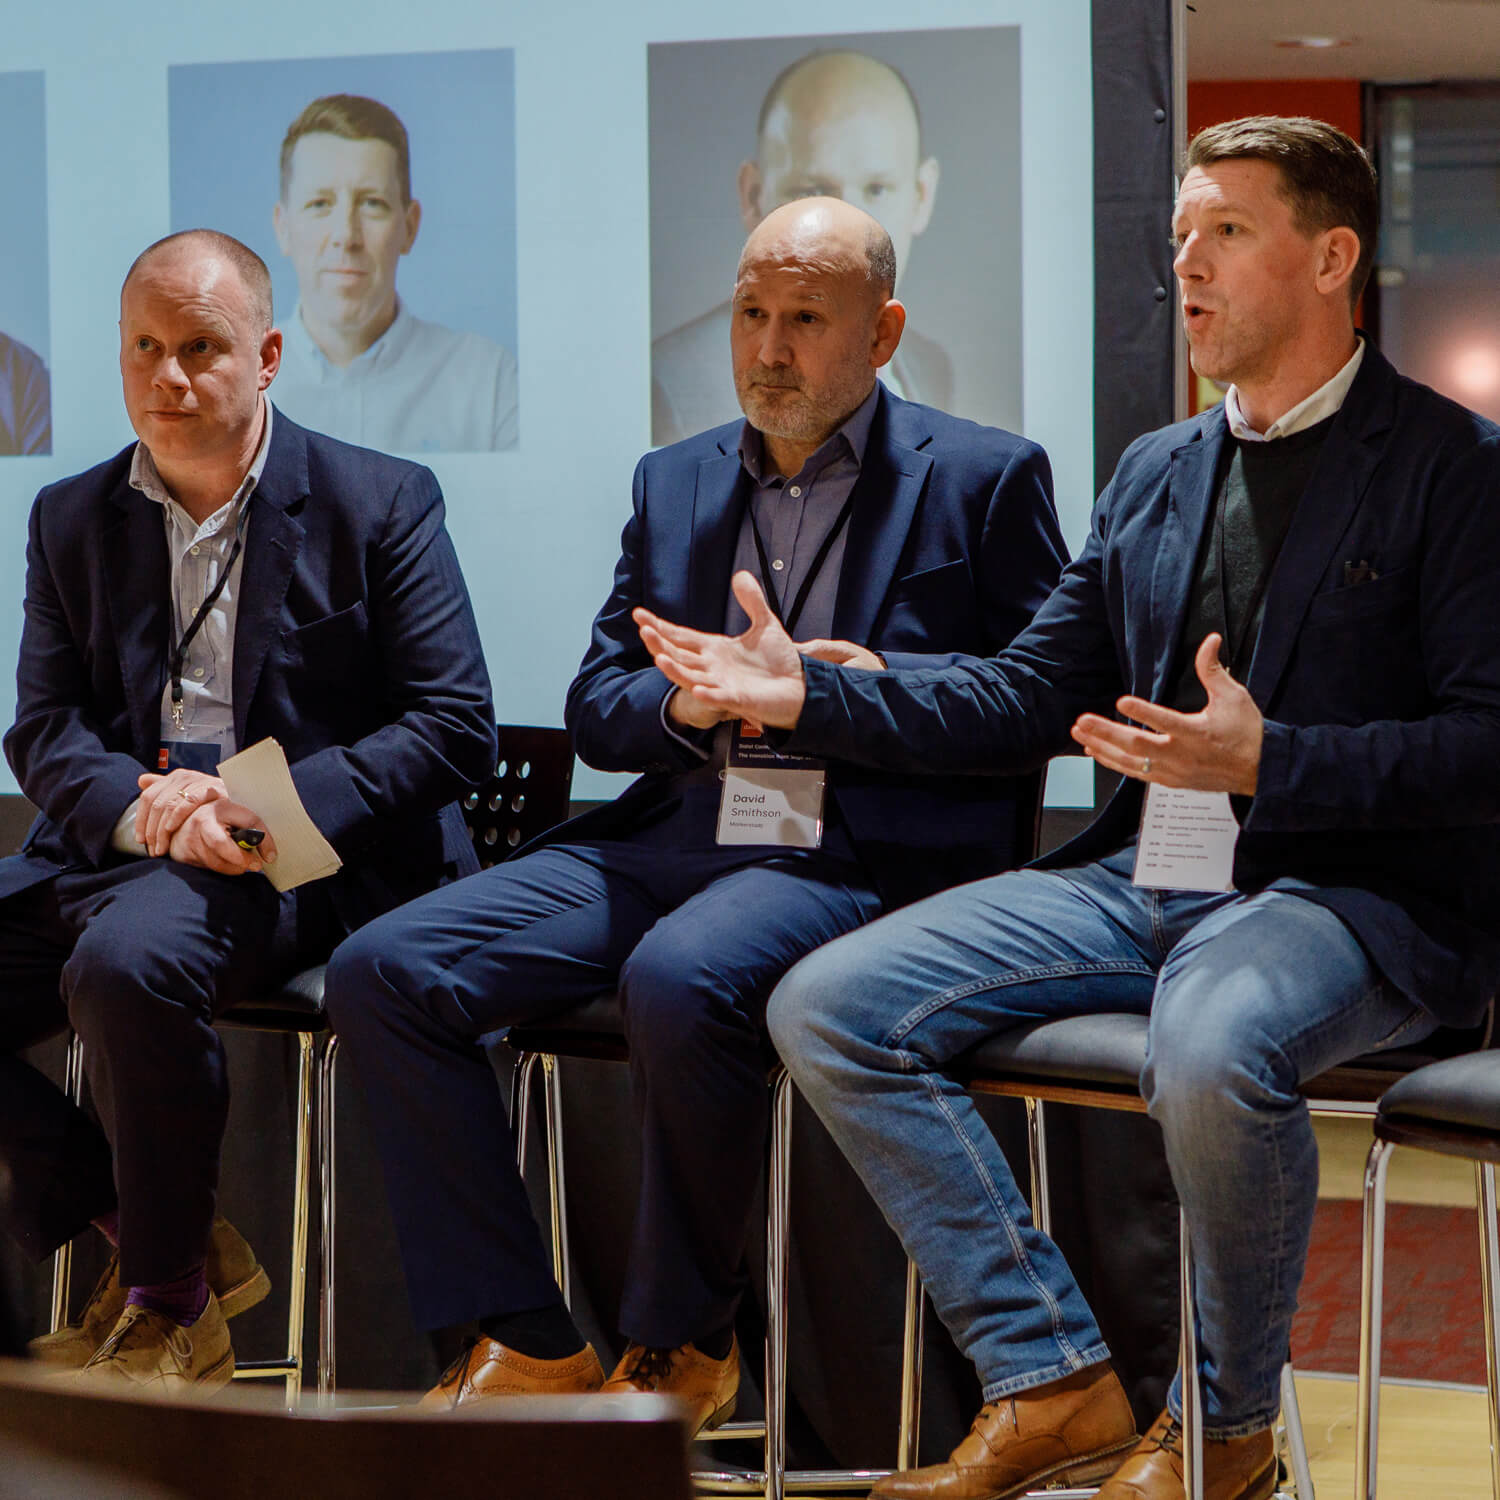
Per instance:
x=1288, y=603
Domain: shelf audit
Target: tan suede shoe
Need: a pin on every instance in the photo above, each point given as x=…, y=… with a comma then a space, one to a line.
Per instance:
x=1074, y=1430
x=154, y=1353
x=233, y=1274
x=486, y=1369
x=1233, y=1468
x=709, y=1387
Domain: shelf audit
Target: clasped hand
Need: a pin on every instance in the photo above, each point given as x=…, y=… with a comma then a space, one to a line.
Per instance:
x=186, y=816
x=1216, y=749
x=755, y=676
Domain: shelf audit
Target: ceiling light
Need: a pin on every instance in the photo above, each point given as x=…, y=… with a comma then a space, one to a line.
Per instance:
x=1317, y=43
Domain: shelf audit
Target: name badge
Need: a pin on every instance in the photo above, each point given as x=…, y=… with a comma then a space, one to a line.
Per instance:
x=1186, y=841
x=769, y=798
x=189, y=755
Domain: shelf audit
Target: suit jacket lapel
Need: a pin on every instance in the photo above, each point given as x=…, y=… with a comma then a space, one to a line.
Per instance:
x=708, y=547
x=1190, y=503
x=273, y=539
x=890, y=484
x=1349, y=457
x=138, y=587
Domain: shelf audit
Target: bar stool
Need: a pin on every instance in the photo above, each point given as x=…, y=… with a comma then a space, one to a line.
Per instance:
x=295, y=1008
x=1451, y=1108
x=596, y=1030
x=1096, y=1061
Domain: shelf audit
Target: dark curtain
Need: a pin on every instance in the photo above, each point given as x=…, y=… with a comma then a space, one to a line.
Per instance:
x=1113, y=1204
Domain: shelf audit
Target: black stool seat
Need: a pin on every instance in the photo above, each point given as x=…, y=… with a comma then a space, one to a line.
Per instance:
x=1451, y=1107
x=593, y=1029
x=294, y=1005
x=1107, y=1050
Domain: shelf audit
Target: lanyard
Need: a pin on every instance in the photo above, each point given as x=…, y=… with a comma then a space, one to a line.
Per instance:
x=789, y=620
x=179, y=652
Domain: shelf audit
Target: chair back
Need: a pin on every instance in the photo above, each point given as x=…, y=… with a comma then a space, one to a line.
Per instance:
x=527, y=795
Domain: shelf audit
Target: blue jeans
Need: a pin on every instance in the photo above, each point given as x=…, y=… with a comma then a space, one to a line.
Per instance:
x=1248, y=997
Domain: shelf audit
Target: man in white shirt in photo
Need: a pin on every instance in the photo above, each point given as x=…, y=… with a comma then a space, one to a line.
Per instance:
x=357, y=363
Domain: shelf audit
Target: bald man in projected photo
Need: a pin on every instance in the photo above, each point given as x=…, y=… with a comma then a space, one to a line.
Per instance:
x=357, y=363
x=835, y=125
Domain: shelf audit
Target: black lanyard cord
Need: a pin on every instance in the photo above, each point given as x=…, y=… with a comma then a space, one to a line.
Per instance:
x=789, y=620
x=179, y=652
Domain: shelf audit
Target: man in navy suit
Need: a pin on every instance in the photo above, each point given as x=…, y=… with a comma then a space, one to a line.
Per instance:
x=1282, y=633
x=889, y=534
x=227, y=578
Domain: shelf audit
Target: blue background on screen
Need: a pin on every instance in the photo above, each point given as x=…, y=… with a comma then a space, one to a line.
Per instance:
x=23, y=191
x=227, y=121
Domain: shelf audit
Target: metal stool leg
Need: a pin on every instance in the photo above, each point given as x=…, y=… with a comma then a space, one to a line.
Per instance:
x=909, y=1431
x=778, y=1209
x=301, y=1199
x=62, y=1259
x=1036, y=1143
x=327, y=1358
x=1372, y=1298
x=557, y=1195
x=1192, y=1410
x=1489, y=1263
x=1296, y=1440
x=520, y=1110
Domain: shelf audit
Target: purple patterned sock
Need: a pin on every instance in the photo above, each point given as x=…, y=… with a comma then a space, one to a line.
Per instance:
x=182, y=1300
x=109, y=1226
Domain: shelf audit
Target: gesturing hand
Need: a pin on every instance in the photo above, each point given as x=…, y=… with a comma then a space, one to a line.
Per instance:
x=756, y=675
x=1214, y=750
x=842, y=654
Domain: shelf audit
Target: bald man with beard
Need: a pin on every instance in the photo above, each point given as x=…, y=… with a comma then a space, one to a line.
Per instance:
x=835, y=125
x=887, y=533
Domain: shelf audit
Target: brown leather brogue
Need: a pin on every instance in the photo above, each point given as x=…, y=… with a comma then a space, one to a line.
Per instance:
x=709, y=1387
x=1241, y=1468
x=487, y=1369
x=154, y=1354
x=233, y=1274
x=1075, y=1430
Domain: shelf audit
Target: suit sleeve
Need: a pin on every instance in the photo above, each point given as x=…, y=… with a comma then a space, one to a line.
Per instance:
x=440, y=738
x=1021, y=553
x=1438, y=769
x=56, y=746
x=614, y=704
x=1003, y=714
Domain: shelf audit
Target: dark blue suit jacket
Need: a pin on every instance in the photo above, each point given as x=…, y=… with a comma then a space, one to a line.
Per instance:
x=355, y=646
x=1380, y=772
x=953, y=543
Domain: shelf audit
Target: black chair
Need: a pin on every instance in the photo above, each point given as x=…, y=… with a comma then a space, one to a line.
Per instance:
x=1096, y=1061
x=527, y=793
x=596, y=1031
x=1452, y=1108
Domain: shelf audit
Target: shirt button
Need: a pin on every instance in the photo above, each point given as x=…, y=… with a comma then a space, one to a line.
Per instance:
x=795, y=491
x=197, y=671
x=778, y=565
x=195, y=549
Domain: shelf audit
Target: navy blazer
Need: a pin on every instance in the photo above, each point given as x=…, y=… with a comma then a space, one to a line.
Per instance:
x=355, y=646
x=1380, y=771
x=953, y=544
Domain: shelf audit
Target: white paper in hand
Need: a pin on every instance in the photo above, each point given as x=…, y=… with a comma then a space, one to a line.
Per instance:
x=259, y=778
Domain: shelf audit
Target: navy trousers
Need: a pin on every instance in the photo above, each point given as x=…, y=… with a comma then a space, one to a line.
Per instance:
x=138, y=959
x=694, y=939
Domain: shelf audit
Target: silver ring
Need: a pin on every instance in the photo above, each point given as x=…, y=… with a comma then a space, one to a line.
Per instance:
x=1146, y=766
x=184, y=795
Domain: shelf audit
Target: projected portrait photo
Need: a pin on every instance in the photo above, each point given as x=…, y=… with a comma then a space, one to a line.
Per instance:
x=920, y=129
x=25, y=387
x=381, y=192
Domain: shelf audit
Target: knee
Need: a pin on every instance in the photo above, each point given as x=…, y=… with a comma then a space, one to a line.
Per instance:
x=133, y=989
x=368, y=975
x=676, y=1002
x=808, y=1014
x=1204, y=1072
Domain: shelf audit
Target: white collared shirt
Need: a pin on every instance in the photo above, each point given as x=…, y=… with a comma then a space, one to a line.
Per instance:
x=1307, y=413
x=419, y=388
x=196, y=556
